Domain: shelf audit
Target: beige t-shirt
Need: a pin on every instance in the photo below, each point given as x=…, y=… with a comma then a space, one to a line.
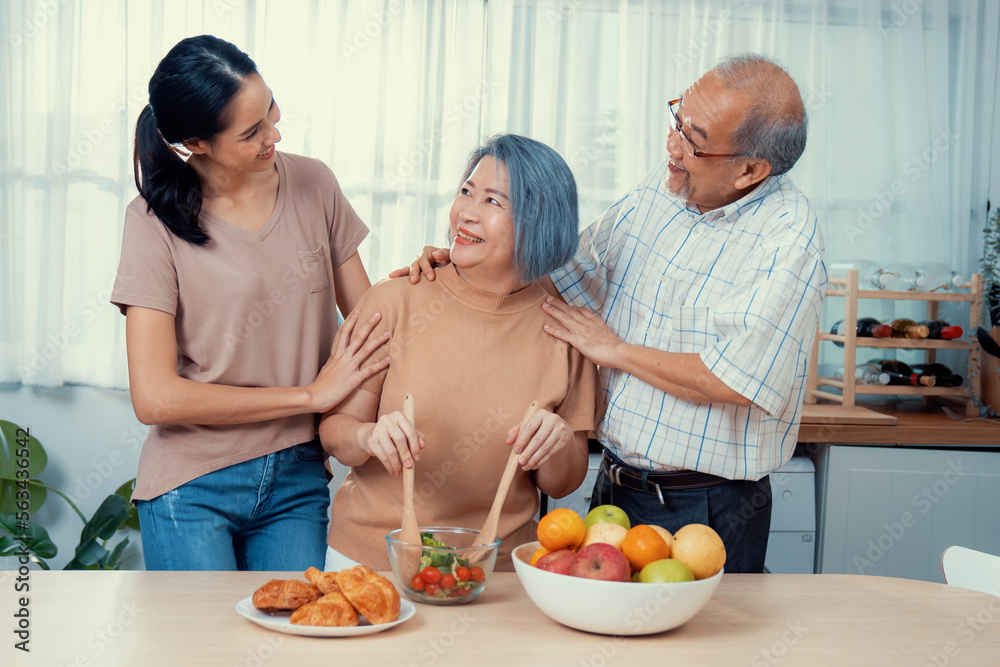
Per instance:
x=474, y=362
x=252, y=309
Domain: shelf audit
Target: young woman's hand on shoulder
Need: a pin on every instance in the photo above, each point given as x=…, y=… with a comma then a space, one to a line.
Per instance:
x=342, y=373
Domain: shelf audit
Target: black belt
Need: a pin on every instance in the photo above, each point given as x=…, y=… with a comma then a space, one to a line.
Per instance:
x=647, y=481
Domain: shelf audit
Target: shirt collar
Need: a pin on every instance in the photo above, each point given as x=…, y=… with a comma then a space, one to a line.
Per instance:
x=731, y=212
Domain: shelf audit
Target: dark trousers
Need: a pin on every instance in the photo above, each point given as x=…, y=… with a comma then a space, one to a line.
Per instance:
x=739, y=511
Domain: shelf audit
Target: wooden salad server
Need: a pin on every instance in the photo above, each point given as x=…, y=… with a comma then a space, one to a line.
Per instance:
x=409, y=532
x=489, y=531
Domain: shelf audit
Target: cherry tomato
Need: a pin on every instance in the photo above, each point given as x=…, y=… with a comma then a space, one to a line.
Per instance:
x=477, y=574
x=447, y=581
x=432, y=589
x=462, y=590
x=430, y=575
x=462, y=573
x=417, y=583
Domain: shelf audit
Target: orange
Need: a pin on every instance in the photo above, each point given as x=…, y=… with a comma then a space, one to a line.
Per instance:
x=562, y=528
x=642, y=545
x=541, y=551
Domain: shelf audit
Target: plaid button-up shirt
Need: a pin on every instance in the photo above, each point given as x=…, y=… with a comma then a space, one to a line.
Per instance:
x=740, y=285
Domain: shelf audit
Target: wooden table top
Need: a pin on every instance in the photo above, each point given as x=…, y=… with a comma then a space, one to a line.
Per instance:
x=189, y=619
x=915, y=425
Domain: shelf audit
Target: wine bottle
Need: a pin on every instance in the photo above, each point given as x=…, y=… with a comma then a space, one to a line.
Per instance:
x=943, y=376
x=939, y=329
x=865, y=374
x=905, y=328
x=870, y=274
x=902, y=374
x=868, y=327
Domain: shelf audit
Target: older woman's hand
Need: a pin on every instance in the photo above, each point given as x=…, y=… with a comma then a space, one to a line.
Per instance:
x=539, y=438
x=394, y=441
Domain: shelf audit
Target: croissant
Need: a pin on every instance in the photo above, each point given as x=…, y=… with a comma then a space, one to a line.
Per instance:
x=284, y=595
x=372, y=595
x=331, y=610
x=326, y=582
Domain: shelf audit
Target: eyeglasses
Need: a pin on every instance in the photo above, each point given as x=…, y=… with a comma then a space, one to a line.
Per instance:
x=671, y=105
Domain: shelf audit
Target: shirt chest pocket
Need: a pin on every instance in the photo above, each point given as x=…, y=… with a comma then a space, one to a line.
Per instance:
x=313, y=265
x=693, y=328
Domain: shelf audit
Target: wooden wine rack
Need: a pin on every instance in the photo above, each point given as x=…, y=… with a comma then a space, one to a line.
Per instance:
x=850, y=389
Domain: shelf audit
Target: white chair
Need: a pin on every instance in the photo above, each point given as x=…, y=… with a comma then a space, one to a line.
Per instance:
x=967, y=568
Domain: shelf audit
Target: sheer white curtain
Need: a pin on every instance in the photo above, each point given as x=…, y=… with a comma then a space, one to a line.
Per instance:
x=392, y=94
x=388, y=93
x=901, y=98
x=901, y=94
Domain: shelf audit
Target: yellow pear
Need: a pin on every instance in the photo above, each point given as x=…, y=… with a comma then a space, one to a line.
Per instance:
x=700, y=548
x=606, y=532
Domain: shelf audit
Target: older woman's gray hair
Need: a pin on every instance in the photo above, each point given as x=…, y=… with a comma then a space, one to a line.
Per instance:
x=543, y=202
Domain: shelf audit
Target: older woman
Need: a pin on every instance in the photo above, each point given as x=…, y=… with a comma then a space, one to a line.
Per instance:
x=471, y=349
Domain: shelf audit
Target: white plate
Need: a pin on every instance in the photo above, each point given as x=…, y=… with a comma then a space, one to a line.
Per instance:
x=280, y=623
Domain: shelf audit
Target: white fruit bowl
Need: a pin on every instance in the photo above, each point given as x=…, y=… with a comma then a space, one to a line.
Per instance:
x=611, y=607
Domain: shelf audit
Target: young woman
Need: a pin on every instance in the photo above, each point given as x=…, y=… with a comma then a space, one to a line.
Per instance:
x=234, y=260
x=471, y=349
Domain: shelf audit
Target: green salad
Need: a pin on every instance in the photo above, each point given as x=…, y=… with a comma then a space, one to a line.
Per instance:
x=444, y=574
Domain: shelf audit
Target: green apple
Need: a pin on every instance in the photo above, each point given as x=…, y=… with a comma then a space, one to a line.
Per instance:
x=609, y=514
x=664, y=571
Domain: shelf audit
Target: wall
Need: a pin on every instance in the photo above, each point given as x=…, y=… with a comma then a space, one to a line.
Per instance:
x=92, y=439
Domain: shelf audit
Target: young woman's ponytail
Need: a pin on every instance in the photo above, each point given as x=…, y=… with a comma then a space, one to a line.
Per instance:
x=189, y=97
x=168, y=184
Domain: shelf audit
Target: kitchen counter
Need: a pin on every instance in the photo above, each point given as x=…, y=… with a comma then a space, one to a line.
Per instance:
x=189, y=618
x=915, y=425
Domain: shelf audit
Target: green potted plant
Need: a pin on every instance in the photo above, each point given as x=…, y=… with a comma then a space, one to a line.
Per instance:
x=22, y=460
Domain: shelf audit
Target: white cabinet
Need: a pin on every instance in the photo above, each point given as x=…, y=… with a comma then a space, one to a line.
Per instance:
x=791, y=545
x=339, y=472
x=892, y=511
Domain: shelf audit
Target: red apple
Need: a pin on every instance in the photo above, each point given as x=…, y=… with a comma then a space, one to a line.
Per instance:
x=601, y=561
x=557, y=561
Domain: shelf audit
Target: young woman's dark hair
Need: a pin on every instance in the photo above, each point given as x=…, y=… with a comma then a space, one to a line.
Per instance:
x=189, y=97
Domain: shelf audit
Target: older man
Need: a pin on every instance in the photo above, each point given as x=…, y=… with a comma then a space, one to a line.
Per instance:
x=698, y=294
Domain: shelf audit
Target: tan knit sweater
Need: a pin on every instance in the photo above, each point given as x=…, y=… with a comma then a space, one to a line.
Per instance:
x=473, y=361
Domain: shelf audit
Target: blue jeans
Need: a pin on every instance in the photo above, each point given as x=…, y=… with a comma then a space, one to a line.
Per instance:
x=740, y=512
x=269, y=513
